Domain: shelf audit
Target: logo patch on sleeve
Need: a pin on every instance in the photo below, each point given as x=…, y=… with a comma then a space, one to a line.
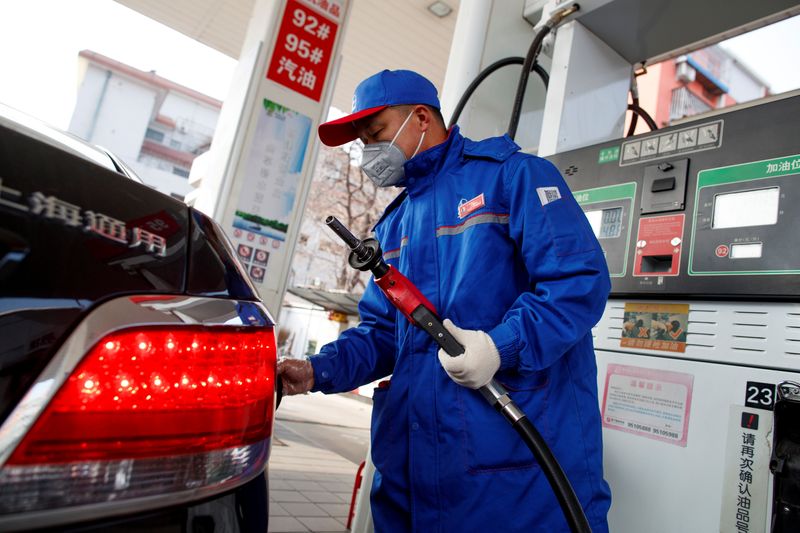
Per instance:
x=548, y=194
x=466, y=207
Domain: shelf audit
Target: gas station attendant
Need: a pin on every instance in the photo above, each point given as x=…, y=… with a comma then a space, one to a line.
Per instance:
x=494, y=239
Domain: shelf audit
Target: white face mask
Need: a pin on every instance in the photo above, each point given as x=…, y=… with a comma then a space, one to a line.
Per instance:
x=383, y=161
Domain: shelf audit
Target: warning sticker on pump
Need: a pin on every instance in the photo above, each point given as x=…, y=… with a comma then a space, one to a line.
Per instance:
x=648, y=402
x=655, y=326
x=746, y=479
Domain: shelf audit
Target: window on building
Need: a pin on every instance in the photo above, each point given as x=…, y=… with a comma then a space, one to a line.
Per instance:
x=154, y=135
x=182, y=172
x=175, y=144
x=685, y=103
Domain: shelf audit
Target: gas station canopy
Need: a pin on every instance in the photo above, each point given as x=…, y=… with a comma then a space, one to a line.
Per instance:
x=415, y=38
x=660, y=29
x=340, y=301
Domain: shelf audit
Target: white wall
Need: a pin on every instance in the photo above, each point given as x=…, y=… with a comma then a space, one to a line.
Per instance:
x=406, y=36
x=88, y=96
x=124, y=114
x=180, y=108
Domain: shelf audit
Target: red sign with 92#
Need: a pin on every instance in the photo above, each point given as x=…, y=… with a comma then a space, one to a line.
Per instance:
x=303, y=50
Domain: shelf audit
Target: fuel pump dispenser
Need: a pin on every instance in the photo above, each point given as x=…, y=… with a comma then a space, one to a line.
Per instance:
x=702, y=331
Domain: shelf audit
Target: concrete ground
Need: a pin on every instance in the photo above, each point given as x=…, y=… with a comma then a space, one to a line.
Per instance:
x=318, y=443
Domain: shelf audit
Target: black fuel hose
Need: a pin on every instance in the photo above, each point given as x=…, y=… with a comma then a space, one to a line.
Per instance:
x=562, y=488
x=530, y=59
x=645, y=116
x=634, y=118
x=488, y=71
x=634, y=90
x=497, y=396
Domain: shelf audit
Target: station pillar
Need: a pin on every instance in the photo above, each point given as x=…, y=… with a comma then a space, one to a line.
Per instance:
x=258, y=171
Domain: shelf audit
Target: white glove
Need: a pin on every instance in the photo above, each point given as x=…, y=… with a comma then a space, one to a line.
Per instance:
x=478, y=364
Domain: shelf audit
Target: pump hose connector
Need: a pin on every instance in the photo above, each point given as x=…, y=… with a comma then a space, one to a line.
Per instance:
x=533, y=52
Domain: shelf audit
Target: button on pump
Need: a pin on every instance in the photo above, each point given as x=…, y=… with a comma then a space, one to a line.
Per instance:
x=663, y=184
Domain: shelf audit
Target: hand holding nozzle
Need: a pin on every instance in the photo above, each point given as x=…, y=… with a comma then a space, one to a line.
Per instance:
x=479, y=362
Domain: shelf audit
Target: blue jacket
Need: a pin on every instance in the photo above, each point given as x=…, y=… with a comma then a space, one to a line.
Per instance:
x=524, y=267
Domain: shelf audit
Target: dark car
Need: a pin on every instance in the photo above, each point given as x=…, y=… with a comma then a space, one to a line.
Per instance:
x=137, y=363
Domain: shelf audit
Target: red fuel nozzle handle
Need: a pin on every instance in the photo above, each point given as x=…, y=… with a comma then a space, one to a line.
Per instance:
x=404, y=295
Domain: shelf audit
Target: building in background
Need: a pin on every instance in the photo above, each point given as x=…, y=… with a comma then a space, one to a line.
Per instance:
x=706, y=79
x=156, y=126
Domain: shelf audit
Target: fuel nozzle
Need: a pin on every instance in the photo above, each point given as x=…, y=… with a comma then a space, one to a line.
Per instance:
x=364, y=255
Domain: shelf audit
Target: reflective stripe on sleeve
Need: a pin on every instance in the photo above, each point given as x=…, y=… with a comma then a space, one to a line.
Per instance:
x=395, y=252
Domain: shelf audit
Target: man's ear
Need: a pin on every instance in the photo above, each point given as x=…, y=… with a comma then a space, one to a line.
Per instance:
x=423, y=116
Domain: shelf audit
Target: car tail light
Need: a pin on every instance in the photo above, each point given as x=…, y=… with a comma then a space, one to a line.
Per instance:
x=156, y=392
x=149, y=411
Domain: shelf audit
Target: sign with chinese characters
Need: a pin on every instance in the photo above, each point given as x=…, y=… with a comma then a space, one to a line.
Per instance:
x=648, y=402
x=269, y=189
x=57, y=210
x=746, y=480
x=653, y=326
x=744, y=215
x=607, y=155
x=304, y=46
x=659, y=246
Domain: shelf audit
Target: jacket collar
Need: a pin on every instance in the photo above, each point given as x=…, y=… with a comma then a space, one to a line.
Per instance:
x=494, y=148
x=455, y=149
x=433, y=159
x=458, y=147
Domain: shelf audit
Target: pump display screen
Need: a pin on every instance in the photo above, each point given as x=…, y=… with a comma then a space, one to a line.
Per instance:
x=747, y=208
x=606, y=223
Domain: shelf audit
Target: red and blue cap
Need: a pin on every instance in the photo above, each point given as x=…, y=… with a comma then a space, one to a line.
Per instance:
x=373, y=95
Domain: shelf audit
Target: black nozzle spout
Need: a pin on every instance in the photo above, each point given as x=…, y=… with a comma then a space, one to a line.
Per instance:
x=352, y=242
x=338, y=228
x=364, y=255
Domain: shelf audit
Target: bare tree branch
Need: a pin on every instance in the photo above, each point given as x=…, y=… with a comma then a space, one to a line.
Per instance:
x=339, y=188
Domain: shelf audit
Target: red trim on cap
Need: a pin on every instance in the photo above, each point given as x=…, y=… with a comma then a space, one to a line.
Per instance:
x=341, y=131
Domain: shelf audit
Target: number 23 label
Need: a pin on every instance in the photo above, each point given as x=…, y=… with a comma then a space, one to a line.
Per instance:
x=760, y=395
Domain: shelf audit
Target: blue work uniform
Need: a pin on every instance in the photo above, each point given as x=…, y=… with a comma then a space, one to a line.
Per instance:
x=519, y=261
